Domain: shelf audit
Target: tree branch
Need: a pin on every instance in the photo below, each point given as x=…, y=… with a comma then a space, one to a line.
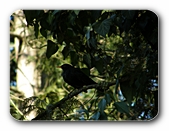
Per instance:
x=16, y=35
x=74, y=93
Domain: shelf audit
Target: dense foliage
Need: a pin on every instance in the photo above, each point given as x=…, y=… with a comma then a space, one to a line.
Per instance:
x=118, y=49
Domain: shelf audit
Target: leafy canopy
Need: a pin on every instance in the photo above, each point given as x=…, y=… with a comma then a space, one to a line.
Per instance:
x=114, y=46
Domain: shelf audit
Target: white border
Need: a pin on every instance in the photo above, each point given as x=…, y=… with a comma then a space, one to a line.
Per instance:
x=7, y=7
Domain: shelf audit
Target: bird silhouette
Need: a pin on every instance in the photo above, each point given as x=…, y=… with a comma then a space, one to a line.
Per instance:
x=75, y=77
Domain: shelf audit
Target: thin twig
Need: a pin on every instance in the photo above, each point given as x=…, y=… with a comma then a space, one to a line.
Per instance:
x=63, y=112
x=90, y=98
x=74, y=93
x=69, y=96
x=11, y=101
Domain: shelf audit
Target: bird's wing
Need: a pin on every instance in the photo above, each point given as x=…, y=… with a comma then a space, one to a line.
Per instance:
x=80, y=76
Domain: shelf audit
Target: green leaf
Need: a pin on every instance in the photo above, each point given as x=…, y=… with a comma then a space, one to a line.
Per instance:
x=95, y=116
x=66, y=51
x=43, y=32
x=129, y=14
x=51, y=48
x=99, y=65
x=119, y=71
x=103, y=116
x=137, y=83
x=93, y=42
x=72, y=18
x=60, y=37
x=128, y=89
x=87, y=30
x=50, y=18
x=117, y=84
x=102, y=105
x=85, y=111
x=36, y=29
x=122, y=107
x=87, y=60
x=45, y=24
x=76, y=12
x=70, y=33
x=108, y=98
x=30, y=15
x=74, y=58
x=102, y=27
x=96, y=14
x=55, y=11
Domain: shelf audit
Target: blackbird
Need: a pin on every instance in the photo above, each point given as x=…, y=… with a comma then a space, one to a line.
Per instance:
x=75, y=77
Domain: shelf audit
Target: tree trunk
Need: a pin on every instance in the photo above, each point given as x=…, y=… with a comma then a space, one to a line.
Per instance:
x=28, y=79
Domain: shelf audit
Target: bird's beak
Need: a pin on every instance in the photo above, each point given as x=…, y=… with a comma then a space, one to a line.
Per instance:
x=59, y=67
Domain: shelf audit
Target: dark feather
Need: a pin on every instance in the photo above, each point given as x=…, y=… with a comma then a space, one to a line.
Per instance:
x=75, y=77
